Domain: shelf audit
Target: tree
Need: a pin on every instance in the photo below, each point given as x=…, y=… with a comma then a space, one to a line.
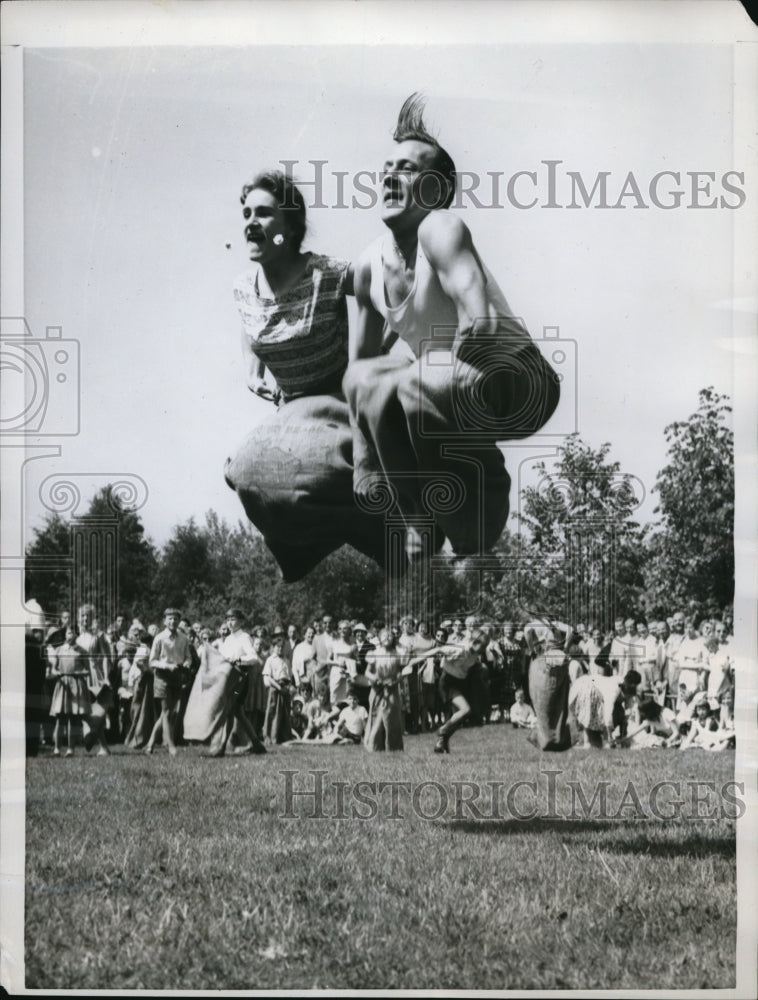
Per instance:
x=185, y=565
x=486, y=587
x=205, y=569
x=137, y=558
x=692, y=544
x=58, y=573
x=47, y=570
x=583, y=561
x=347, y=584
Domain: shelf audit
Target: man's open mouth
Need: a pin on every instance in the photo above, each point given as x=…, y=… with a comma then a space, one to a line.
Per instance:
x=393, y=192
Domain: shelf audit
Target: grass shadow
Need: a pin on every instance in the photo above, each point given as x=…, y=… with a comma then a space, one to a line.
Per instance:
x=690, y=842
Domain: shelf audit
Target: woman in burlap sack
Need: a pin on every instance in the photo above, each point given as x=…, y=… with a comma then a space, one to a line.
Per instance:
x=294, y=472
x=549, y=682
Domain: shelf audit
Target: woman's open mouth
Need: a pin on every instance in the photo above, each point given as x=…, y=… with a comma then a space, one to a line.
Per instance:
x=255, y=236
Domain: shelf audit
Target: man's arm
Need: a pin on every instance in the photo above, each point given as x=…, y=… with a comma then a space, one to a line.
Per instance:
x=366, y=338
x=447, y=245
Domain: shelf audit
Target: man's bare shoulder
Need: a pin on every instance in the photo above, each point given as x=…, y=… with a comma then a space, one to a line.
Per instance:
x=442, y=234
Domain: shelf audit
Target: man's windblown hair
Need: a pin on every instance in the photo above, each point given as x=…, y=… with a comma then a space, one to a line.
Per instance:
x=410, y=121
x=411, y=125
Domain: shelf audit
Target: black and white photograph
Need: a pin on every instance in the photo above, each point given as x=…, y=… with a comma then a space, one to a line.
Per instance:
x=379, y=487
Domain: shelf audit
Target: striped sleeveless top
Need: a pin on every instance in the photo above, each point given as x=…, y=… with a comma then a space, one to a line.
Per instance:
x=301, y=336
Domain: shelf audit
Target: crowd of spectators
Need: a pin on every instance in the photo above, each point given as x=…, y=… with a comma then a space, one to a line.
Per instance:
x=664, y=683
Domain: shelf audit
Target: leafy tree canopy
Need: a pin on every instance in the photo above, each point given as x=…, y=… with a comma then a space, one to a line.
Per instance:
x=691, y=545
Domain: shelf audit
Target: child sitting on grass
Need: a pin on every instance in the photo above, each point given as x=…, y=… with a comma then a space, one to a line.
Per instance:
x=351, y=723
x=298, y=721
x=726, y=709
x=705, y=732
x=522, y=715
x=316, y=718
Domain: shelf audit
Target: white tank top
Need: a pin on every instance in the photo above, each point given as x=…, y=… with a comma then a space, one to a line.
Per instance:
x=426, y=306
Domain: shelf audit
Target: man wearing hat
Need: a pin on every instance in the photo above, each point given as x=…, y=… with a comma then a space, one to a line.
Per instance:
x=238, y=649
x=362, y=648
x=169, y=654
x=237, y=645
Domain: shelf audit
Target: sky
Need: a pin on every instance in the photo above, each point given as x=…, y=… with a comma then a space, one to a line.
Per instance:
x=133, y=162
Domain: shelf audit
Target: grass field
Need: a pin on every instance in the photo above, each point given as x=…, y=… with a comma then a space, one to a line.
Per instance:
x=153, y=873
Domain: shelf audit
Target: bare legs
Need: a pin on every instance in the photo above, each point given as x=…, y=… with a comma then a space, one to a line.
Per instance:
x=165, y=725
x=462, y=709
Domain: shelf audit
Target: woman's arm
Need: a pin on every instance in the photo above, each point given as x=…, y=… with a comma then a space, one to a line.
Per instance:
x=434, y=651
x=367, y=336
x=349, y=283
x=255, y=371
